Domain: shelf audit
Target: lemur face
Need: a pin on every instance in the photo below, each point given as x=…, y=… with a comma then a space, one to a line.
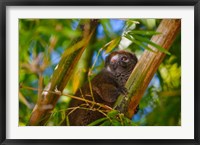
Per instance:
x=120, y=62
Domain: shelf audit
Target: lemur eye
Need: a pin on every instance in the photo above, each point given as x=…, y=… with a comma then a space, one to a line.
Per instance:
x=124, y=58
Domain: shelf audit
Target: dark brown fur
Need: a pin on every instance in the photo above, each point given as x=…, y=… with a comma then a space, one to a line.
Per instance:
x=106, y=87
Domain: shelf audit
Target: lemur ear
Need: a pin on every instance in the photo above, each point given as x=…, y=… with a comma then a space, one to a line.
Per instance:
x=133, y=56
x=107, y=60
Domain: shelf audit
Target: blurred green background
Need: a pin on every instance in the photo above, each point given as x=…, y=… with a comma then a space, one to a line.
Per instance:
x=42, y=42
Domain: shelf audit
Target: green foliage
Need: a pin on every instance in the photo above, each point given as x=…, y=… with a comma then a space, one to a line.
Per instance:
x=43, y=41
x=113, y=118
x=161, y=104
x=138, y=37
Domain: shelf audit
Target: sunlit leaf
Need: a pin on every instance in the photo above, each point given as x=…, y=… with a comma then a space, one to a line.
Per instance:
x=131, y=24
x=76, y=82
x=112, y=44
x=133, y=21
x=149, y=23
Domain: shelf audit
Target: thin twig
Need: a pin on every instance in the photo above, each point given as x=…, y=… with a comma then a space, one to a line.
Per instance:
x=71, y=96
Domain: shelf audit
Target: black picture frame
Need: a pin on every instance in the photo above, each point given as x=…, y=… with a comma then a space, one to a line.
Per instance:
x=5, y=3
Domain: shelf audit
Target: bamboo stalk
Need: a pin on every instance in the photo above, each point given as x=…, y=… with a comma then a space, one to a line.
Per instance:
x=147, y=66
x=61, y=76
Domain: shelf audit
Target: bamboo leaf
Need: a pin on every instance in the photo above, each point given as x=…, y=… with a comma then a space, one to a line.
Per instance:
x=151, y=43
x=149, y=23
x=106, y=26
x=106, y=123
x=139, y=43
x=131, y=24
x=113, y=113
x=96, y=122
x=76, y=82
x=144, y=32
x=112, y=44
x=116, y=123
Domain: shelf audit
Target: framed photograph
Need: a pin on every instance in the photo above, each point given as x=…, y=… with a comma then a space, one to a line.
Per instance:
x=99, y=72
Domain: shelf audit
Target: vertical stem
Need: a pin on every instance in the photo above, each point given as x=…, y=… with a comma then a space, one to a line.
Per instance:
x=61, y=75
x=147, y=66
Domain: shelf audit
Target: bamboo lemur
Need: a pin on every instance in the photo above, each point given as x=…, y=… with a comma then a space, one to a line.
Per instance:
x=106, y=87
